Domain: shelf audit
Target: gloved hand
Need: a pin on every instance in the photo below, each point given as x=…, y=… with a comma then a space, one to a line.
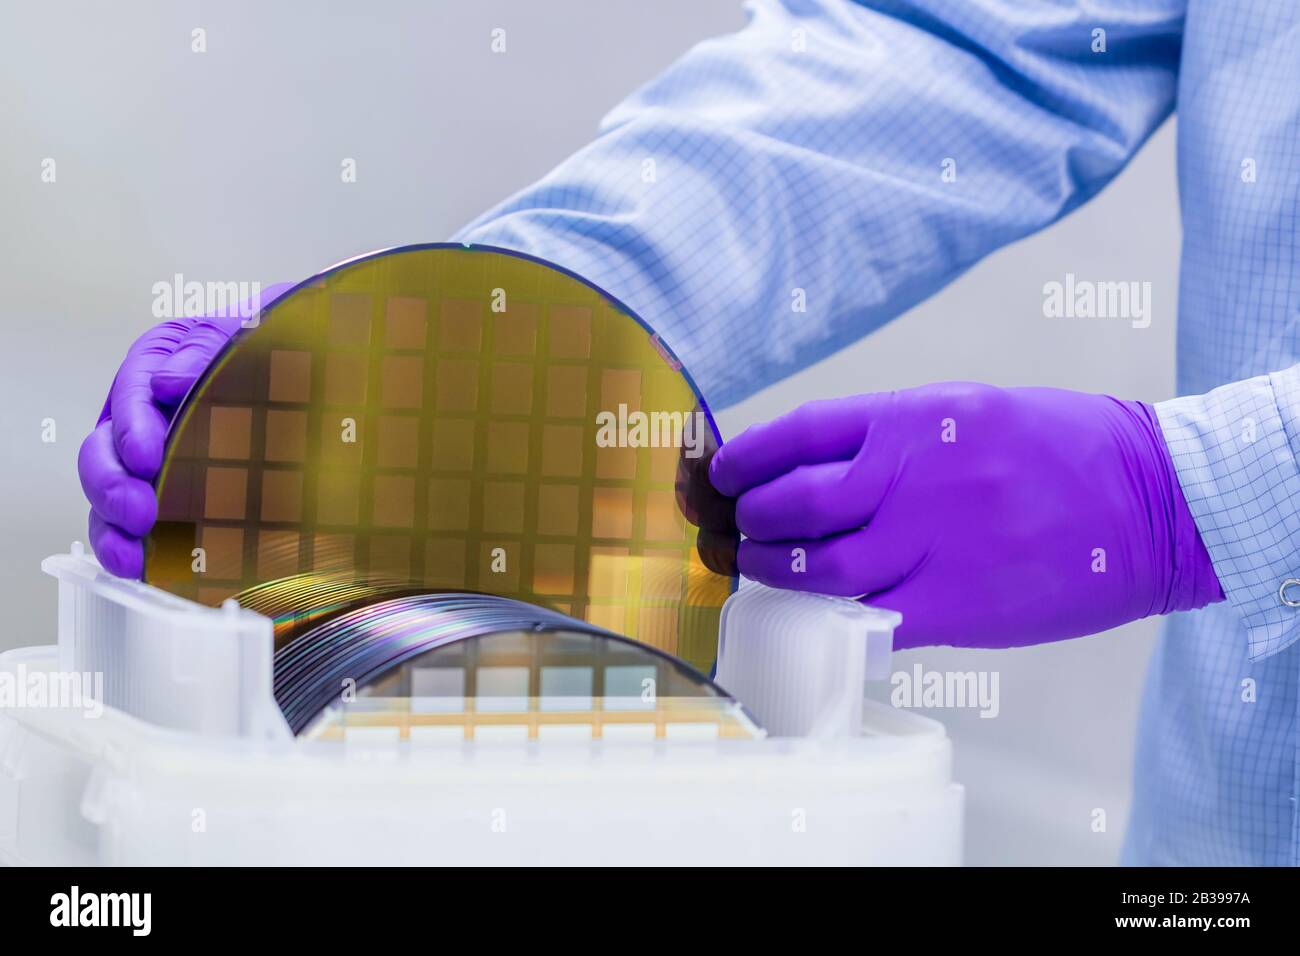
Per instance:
x=120, y=458
x=989, y=517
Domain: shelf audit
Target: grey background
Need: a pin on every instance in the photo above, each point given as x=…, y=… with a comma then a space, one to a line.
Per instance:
x=225, y=166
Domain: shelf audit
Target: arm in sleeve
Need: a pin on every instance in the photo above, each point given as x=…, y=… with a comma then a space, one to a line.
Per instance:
x=780, y=192
x=1237, y=454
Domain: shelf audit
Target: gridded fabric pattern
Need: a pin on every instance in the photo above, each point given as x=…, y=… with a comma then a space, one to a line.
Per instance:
x=435, y=416
x=1236, y=450
x=800, y=160
x=1215, y=759
x=778, y=193
x=528, y=686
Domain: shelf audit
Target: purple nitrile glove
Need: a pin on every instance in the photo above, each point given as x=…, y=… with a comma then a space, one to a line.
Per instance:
x=990, y=517
x=120, y=458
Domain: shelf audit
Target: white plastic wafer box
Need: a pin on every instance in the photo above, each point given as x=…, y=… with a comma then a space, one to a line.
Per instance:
x=183, y=758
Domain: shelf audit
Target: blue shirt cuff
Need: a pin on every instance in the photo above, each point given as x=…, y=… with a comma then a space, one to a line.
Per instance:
x=1235, y=450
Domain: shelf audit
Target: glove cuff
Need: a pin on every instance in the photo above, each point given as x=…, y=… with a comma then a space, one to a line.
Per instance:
x=1193, y=582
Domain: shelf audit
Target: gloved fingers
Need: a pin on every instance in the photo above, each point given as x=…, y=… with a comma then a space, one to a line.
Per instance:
x=178, y=372
x=717, y=551
x=813, y=501
x=814, y=433
x=118, y=552
x=139, y=428
x=848, y=565
x=206, y=337
x=702, y=504
x=115, y=495
x=711, y=512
